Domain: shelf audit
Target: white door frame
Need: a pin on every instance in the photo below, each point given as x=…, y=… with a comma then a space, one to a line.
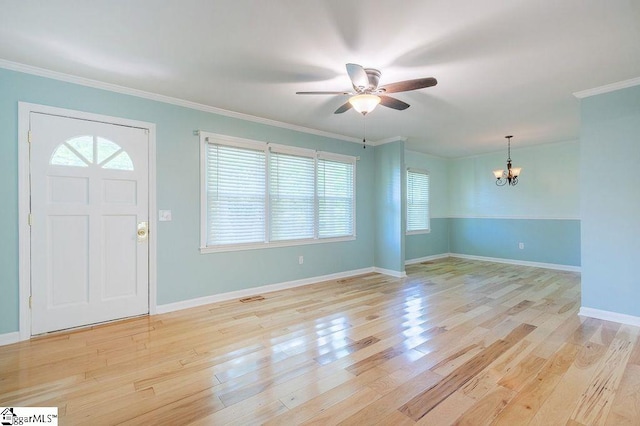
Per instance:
x=24, y=195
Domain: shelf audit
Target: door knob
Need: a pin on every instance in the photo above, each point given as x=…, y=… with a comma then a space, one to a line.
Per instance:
x=143, y=231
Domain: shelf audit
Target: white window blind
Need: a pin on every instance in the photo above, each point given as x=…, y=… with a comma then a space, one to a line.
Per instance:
x=417, y=200
x=235, y=186
x=257, y=194
x=291, y=196
x=335, y=198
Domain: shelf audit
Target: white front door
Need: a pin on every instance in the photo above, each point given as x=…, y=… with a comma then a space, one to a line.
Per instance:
x=89, y=205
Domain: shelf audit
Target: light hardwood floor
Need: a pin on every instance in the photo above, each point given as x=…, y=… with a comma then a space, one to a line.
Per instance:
x=456, y=342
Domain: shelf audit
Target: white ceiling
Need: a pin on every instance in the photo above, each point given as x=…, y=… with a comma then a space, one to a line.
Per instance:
x=503, y=66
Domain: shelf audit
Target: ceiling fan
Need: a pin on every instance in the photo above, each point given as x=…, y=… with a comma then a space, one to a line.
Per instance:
x=367, y=93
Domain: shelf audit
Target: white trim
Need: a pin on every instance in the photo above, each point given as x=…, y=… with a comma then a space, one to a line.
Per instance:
x=272, y=244
x=24, y=239
x=427, y=258
x=417, y=170
x=607, y=88
x=610, y=316
x=530, y=146
x=555, y=266
x=279, y=148
x=28, y=69
x=512, y=217
x=235, y=141
x=332, y=156
x=24, y=271
x=390, y=272
x=412, y=152
x=388, y=140
x=419, y=231
x=153, y=222
x=215, y=298
x=9, y=338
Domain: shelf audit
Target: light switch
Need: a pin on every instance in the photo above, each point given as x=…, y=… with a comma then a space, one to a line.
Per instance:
x=164, y=215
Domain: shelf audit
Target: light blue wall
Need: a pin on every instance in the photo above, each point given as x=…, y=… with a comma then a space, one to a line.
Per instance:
x=542, y=210
x=545, y=240
x=433, y=243
x=183, y=273
x=610, y=201
x=389, y=208
x=437, y=241
x=548, y=187
x=462, y=191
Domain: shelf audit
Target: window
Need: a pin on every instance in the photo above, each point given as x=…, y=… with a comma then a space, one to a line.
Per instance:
x=291, y=196
x=336, y=201
x=83, y=151
x=259, y=195
x=417, y=201
x=235, y=195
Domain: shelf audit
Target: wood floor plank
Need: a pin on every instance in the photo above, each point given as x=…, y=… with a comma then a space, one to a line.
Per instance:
x=523, y=407
x=558, y=407
x=457, y=341
x=345, y=408
x=391, y=401
x=595, y=403
x=420, y=405
x=484, y=411
x=625, y=409
x=448, y=411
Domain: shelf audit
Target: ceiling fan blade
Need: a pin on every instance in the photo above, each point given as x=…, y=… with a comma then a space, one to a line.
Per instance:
x=394, y=103
x=324, y=93
x=358, y=76
x=344, y=107
x=407, y=85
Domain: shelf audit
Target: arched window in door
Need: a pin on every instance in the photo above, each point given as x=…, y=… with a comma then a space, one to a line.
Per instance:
x=87, y=150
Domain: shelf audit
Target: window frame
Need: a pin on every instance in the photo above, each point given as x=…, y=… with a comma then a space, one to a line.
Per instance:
x=426, y=230
x=213, y=138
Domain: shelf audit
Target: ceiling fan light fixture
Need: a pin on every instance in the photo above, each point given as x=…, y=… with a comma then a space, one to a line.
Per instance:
x=364, y=103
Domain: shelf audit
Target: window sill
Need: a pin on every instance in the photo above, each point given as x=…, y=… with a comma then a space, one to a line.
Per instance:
x=255, y=246
x=422, y=231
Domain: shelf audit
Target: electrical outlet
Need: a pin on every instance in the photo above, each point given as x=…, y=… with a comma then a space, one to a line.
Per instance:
x=300, y=260
x=521, y=246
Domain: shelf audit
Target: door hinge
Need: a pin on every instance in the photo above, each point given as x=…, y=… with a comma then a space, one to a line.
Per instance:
x=29, y=219
x=29, y=136
x=30, y=302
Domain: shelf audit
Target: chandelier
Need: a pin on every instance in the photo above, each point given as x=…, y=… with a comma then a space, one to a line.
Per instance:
x=509, y=176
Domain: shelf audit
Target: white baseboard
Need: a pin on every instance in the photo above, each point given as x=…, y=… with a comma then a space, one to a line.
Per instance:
x=427, y=258
x=9, y=338
x=555, y=266
x=390, y=272
x=215, y=298
x=610, y=316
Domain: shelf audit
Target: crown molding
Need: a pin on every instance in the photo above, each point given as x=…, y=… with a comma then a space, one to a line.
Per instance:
x=607, y=88
x=388, y=140
x=55, y=75
x=410, y=151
